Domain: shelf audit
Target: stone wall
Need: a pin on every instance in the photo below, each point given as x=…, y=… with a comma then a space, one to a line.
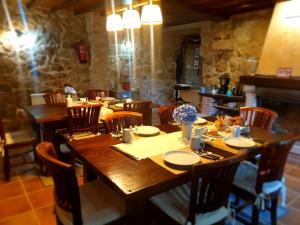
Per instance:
x=50, y=63
x=226, y=47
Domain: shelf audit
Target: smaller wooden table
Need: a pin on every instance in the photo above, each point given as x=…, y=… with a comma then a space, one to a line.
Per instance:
x=47, y=118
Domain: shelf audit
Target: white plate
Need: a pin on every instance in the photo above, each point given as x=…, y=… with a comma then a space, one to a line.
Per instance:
x=239, y=142
x=200, y=121
x=181, y=157
x=146, y=131
x=119, y=105
x=108, y=99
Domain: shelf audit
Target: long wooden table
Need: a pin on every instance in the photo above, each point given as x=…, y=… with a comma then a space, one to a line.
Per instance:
x=47, y=118
x=135, y=180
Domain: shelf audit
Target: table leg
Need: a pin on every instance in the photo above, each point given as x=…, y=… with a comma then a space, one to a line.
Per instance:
x=138, y=212
x=88, y=175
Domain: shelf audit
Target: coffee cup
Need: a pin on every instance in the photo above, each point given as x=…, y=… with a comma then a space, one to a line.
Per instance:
x=196, y=143
x=127, y=135
x=236, y=131
x=199, y=131
x=82, y=100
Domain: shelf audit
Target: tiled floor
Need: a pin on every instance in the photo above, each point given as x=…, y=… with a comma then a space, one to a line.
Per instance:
x=25, y=200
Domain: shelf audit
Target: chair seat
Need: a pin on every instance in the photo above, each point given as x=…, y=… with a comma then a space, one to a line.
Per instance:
x=246, y=176
x=99, y=205
x=175, y=203
x=19, y=137
x=76, y=136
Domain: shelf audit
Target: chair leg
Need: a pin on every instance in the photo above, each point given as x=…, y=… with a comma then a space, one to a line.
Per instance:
x=6, y=165
x=255, y=214
x=274, y=210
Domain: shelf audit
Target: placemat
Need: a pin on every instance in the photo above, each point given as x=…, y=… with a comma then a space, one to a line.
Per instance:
x=143, y=148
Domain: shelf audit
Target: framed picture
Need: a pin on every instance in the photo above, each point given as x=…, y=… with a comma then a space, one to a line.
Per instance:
x=284, y=72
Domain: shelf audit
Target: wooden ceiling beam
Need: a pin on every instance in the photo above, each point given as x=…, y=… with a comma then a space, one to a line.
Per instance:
x=179, y=4
x=88, y=8
x=64, y=4
x=250, y=8
x=31, y=3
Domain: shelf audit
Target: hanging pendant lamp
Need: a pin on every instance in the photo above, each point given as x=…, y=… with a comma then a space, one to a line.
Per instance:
x=114, y=23
x=151, y=15
x=131, y=19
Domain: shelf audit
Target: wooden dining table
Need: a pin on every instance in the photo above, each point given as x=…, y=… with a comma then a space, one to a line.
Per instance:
x=136, y=181
x=47, y=118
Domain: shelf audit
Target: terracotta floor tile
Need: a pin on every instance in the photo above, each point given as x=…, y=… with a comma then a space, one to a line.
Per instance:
x=292, y=183
x=24, y=218
x=46, y=215
x=289, y=166
x=11, y=189
x=41, y=197
x=291, y=196
x=33, y=184
x=14, y=206
x=296, y=203
x=295, y=171
x=12, y=179
x=292, y=217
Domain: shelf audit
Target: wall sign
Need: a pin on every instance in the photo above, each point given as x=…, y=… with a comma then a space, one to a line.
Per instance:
x=284, y=72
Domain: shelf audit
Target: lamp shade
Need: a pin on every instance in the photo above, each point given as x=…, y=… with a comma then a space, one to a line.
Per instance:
x=131, y=19
x=151, y=14
x=114, y=22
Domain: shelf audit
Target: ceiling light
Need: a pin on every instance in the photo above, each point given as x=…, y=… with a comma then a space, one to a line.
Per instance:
x=114, y=23
x=151, y=15
x=131, y=19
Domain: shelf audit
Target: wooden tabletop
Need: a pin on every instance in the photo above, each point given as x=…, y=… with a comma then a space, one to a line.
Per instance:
x=137, y=179
x=47, y=113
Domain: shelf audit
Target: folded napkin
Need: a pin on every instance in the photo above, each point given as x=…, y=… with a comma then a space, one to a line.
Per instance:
x=146, y=147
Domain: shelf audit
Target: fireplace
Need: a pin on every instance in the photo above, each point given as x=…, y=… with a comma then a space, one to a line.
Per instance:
x=285, y=102
x=281, y=95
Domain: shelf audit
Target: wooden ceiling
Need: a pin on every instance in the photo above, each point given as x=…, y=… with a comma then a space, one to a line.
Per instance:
x=175, y=12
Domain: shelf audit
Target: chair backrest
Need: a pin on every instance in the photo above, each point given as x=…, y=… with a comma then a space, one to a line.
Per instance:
x=83, y=118
x=165, y=113
x=66, y=190
x=92, y=94
x=211, y=184
x=272, y=161
x=123, y=119
x=2, y=132
x=258, y=117
x=144, y=107
x=53, y=98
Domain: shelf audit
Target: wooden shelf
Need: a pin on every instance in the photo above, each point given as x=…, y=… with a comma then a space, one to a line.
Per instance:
x=224, y=97
x=271, y=81
x=229, y=110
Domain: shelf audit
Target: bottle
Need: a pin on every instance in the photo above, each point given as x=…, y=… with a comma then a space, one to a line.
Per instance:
x=69, y=101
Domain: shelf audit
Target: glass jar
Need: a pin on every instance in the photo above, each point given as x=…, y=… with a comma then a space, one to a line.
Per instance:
x=251, y=65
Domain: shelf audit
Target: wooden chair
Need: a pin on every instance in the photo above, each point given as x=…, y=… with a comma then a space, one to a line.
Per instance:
x=53, y=98
x=258, y=117
x=92, y=203
x=118, y=120
x=13, y=144
x=165, y=113
x=255, y=182
x=92, y=94
x=144, y=107
x=204, y=200
x=83, y=118
x=83, y=122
